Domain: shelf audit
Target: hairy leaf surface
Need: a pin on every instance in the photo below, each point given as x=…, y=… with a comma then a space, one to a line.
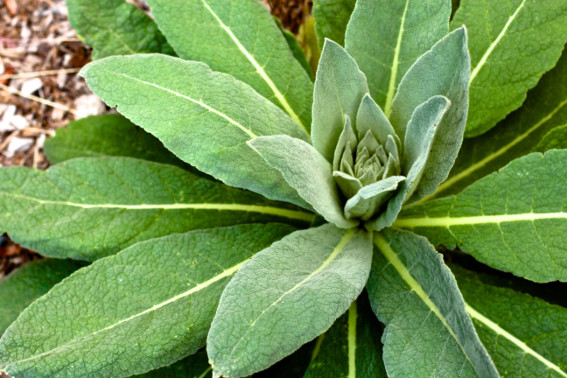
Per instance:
x=146, y=307
x=88, y=208
x=331, y=19
x=513, y=220
x=287, y=295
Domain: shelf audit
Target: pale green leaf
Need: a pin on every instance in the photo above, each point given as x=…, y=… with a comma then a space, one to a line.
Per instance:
x=87, y=208
x=365, y=203
x=513, y=220
x=194, y=366
x=239, y=37
x=203, y=117
x=109, y=311
x=306, y=171
x=22, y=287
x=517, y=135
x=386, y=37
x=295, y=48
x=331, y=19
x=511, y=44
x=339, y=89
x=115, y=27
x=526, y=336
x=287, y=295
x=554, y=139
x=428, y=332
x=351, y=347
x=106, y=135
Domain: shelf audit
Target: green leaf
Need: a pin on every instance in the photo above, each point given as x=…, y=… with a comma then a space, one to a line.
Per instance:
x=339, y=89
x=194, y=366
x=306, y=171
x=517, y=135
x=116, y=28
x=87, y=208
x=331, y=19
x=295, y=48
x=287, y=295
x=428, y=332
x=106, y=135
x=554, y=139
x=512, y=44
x=28, y=283
x=239, y=38
x=401, y=32
x=203, y=117
x=526, y=337
x=351, y=347
x=368, y=199
x=110, y=310
x=513, y=220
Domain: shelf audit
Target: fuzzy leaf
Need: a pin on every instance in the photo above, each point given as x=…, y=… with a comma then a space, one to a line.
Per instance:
x=239, y=37
x=554, y=139
x=368, y=199
x=203, y=117
x=526, y=337
x=401, y=32
x=428, y=332
x=339, y=88
x=28, y=283
x=512, y=44
x=287, y=295
x=116, y=28
x=331, y=19
x=513, y=220
x=306, y=171
x=87, y=208
x=103, y=319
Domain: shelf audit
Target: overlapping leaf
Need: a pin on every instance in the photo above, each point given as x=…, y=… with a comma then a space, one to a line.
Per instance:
x=554, y=139
x=331, y=19
x=194, y=366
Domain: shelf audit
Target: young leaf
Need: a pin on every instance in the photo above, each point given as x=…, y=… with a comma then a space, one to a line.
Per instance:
x=401, y=31
x=287, y=295
x=517, y=135
x=87, y=208
x=203, y=117
x=351, y=347
x=306, y=171
x=106, y=135
x=512, y=44
x=524, y=335
x=194, y=366
x=339, y=89
x=512, y=220
x=109, y=311
x=331, y=19
x=239, y=37
x=413, y=292
x=117, y=28
x=554, y=139
x=28, y=283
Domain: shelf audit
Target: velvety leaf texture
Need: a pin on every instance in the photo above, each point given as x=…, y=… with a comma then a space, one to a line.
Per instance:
x=239, y=37
x=287, y=295
x=102, y=321
x=88, y=208
x=331, y=19
x=428, y=332
x=116, y=27
x=512, y=44
x=513, y=220
x=203, y=117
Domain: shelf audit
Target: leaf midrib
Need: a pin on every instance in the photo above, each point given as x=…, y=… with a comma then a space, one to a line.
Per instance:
x=449, y=221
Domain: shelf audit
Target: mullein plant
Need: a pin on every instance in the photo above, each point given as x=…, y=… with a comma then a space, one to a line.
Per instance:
x=238, y=216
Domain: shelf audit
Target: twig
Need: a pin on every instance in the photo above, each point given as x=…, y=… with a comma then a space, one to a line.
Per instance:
x=38, y=99
x=26, y=75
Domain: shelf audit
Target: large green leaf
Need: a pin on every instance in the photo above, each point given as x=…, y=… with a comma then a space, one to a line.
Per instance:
x=28, y=283
x=554, y=139
x=351, y=347
x=87, y=208
x=287, y=295
x=331, y=18
x=526, y=337
x=306, y=171
x=517, y=135
x=239, y=37
x=115, y=27
x=512, y=44
x=146, y=307
x=106, y=135
x=203, y=117
x=428, y=332
x=513, y=220
x=400, y=32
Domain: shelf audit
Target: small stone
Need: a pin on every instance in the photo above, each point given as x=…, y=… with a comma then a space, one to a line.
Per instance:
x=30, y=86
x=19, y=144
